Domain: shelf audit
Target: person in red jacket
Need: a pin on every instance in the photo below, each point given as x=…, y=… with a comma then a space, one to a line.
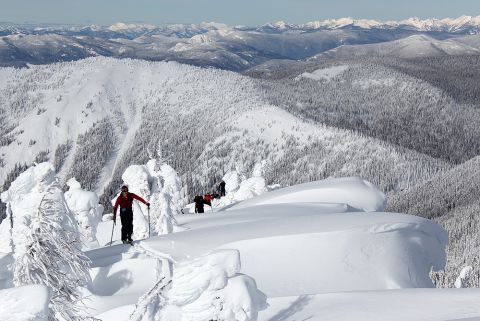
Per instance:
x=125, y=201
x=207, y=199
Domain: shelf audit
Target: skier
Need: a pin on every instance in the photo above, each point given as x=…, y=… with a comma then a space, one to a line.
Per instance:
x=207, y=199
x=198, y=204
x=221, y=187
x=125, y=200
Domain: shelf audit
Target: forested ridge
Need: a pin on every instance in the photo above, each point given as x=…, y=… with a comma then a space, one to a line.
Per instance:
x=382, y=119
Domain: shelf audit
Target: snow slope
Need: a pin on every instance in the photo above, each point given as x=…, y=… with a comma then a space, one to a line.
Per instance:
x=409, y=47
x=304, y=246
x=263, y=233
x=393, y=305
x=112, y=112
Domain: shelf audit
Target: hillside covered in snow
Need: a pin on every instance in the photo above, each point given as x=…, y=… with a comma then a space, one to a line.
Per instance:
x=312, y=120
x=321, y=250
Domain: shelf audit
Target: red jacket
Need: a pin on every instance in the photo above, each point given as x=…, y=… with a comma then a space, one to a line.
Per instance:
x=126, y=202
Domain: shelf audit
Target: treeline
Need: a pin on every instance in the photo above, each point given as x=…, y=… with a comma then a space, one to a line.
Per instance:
x=458, y=76
x=384, y=103
x=92, y=152
x=452, y=198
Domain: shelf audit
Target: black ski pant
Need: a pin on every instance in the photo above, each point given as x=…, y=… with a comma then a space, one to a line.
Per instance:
x=222, y=191
x=199, y=209
x=126, y=216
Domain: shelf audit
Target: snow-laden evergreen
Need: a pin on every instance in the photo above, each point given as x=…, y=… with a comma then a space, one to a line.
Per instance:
x=159, y=184
x=88, y=212
x=239, y=187
x=45, y=240
x=207, y=288
x=462, y=280
x=23, y=199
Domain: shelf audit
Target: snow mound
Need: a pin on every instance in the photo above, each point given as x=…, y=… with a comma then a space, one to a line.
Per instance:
x=207, y=288
x=315, y=247
x=25, y=303
x=353, y=191
x=88, y=212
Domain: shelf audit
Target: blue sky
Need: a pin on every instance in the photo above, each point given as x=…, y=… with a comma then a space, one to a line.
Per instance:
x=232, y=12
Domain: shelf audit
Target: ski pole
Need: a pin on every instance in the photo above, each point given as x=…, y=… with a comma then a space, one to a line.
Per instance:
x=113, y=227
x=148, y=213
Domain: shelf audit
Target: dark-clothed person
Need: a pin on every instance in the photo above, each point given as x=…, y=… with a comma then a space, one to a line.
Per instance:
x=198, y=204
x=222, y=188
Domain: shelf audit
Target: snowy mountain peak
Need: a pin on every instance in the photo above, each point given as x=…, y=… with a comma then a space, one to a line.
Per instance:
x=448, y=24
x=121, y=26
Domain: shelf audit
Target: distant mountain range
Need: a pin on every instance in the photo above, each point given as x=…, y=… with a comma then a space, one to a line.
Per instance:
x=462, y=25
x=237, y=48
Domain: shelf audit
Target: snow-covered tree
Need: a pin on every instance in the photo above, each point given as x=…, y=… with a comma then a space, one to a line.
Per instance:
x=87, y=211
x=46, y=242
x=53, y=257
x=160, y=184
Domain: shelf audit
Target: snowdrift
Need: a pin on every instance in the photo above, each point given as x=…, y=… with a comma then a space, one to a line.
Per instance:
x=317, y=251
x=25, y=303
x=353, y=191
x=306, y=250
x=314, y=238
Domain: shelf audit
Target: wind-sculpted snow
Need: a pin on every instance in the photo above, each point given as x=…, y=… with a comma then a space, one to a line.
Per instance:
x=299, y=253
x=26, y=303
x=207, y=288
x=317, y=238
x=355, y=192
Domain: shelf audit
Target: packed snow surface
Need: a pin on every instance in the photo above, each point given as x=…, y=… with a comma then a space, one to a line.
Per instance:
x=392, y=305
x=25, y=303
